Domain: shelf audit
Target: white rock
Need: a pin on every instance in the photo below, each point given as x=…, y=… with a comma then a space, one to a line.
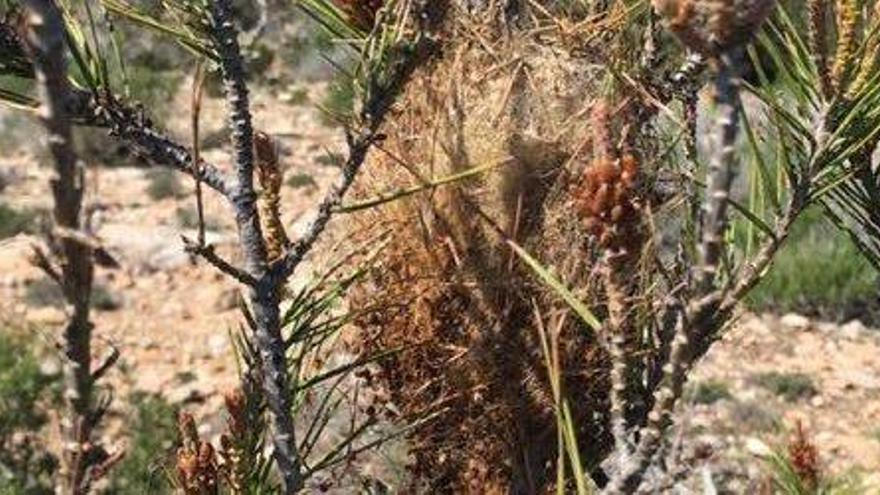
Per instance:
x=795, y=321
x=185, y=394
x=757, y=447
x=205, y=429
x=150, y=248
x=852, y=330
x=50, y=367
x=47, y=316
x=861, y=379
x=218, y=345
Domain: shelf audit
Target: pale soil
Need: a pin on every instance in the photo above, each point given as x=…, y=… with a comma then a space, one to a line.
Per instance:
x=842, y=416
x=175, y=316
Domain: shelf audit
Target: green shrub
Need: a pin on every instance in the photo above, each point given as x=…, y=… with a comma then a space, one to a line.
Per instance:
x=105, y=300
x=819, y=272
x=188, y=218
x=154, y=434
x=26, y=466
x=163, y=184
x=45, y=292
x=298, y=97
x=789, y=386
x=753, y=416
x=709, y=392
x=301, y=180
x=330, y=159
x=14, y=222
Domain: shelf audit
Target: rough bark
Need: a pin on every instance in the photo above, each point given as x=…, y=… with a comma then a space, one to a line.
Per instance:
x=45, y=41
x=264, y=294
x=722, y=166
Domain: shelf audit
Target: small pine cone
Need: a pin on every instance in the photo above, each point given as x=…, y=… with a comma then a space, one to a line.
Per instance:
x=818, y=42
x=236, y=408
x=361, y=13
x=270, y=178
x=712, y=27
x=607, y=203
x=804, y=458
x=187, y=467
x=848, y=18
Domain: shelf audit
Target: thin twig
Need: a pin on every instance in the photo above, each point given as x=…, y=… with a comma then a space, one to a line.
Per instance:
x=107, y=363
x=134, y=128
x=208, y=253
x=198, y=86
x=380, y=99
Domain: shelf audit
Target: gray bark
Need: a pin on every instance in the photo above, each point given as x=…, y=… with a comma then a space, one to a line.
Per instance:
x=264, y=295
x=45, y=41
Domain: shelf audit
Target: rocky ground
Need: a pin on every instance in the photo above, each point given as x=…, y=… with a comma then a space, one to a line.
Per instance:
x=770, y=373
x=171, y=316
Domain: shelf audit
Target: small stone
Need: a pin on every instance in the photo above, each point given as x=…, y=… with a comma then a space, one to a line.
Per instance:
x=757, y=447
x=860, y=379
x=50, y=367
x=817, y=401
x=218, y=345
x=795, y=321
x=46, y=315
x=852, y=330
x=187, y=394
x=825, y=437
x=205, y=430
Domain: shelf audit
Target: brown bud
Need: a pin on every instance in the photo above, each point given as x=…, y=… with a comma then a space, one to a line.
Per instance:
x=186, y=425
x=265, y=149
x=630, y=169
x=606, y=172
x=601, y=200
x=712, y=27
x=206, y=453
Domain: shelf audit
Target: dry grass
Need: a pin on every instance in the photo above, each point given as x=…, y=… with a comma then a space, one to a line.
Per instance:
x=451, y=291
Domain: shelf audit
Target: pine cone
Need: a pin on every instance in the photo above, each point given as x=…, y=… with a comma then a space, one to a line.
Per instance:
x=712, y=27
x=609, y=204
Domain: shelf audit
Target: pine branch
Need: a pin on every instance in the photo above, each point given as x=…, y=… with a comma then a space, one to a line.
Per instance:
x=208, y=253
x=264, y=295
x=132, y=127
x=722, y=165
x=45, y=42
x=381, y=95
